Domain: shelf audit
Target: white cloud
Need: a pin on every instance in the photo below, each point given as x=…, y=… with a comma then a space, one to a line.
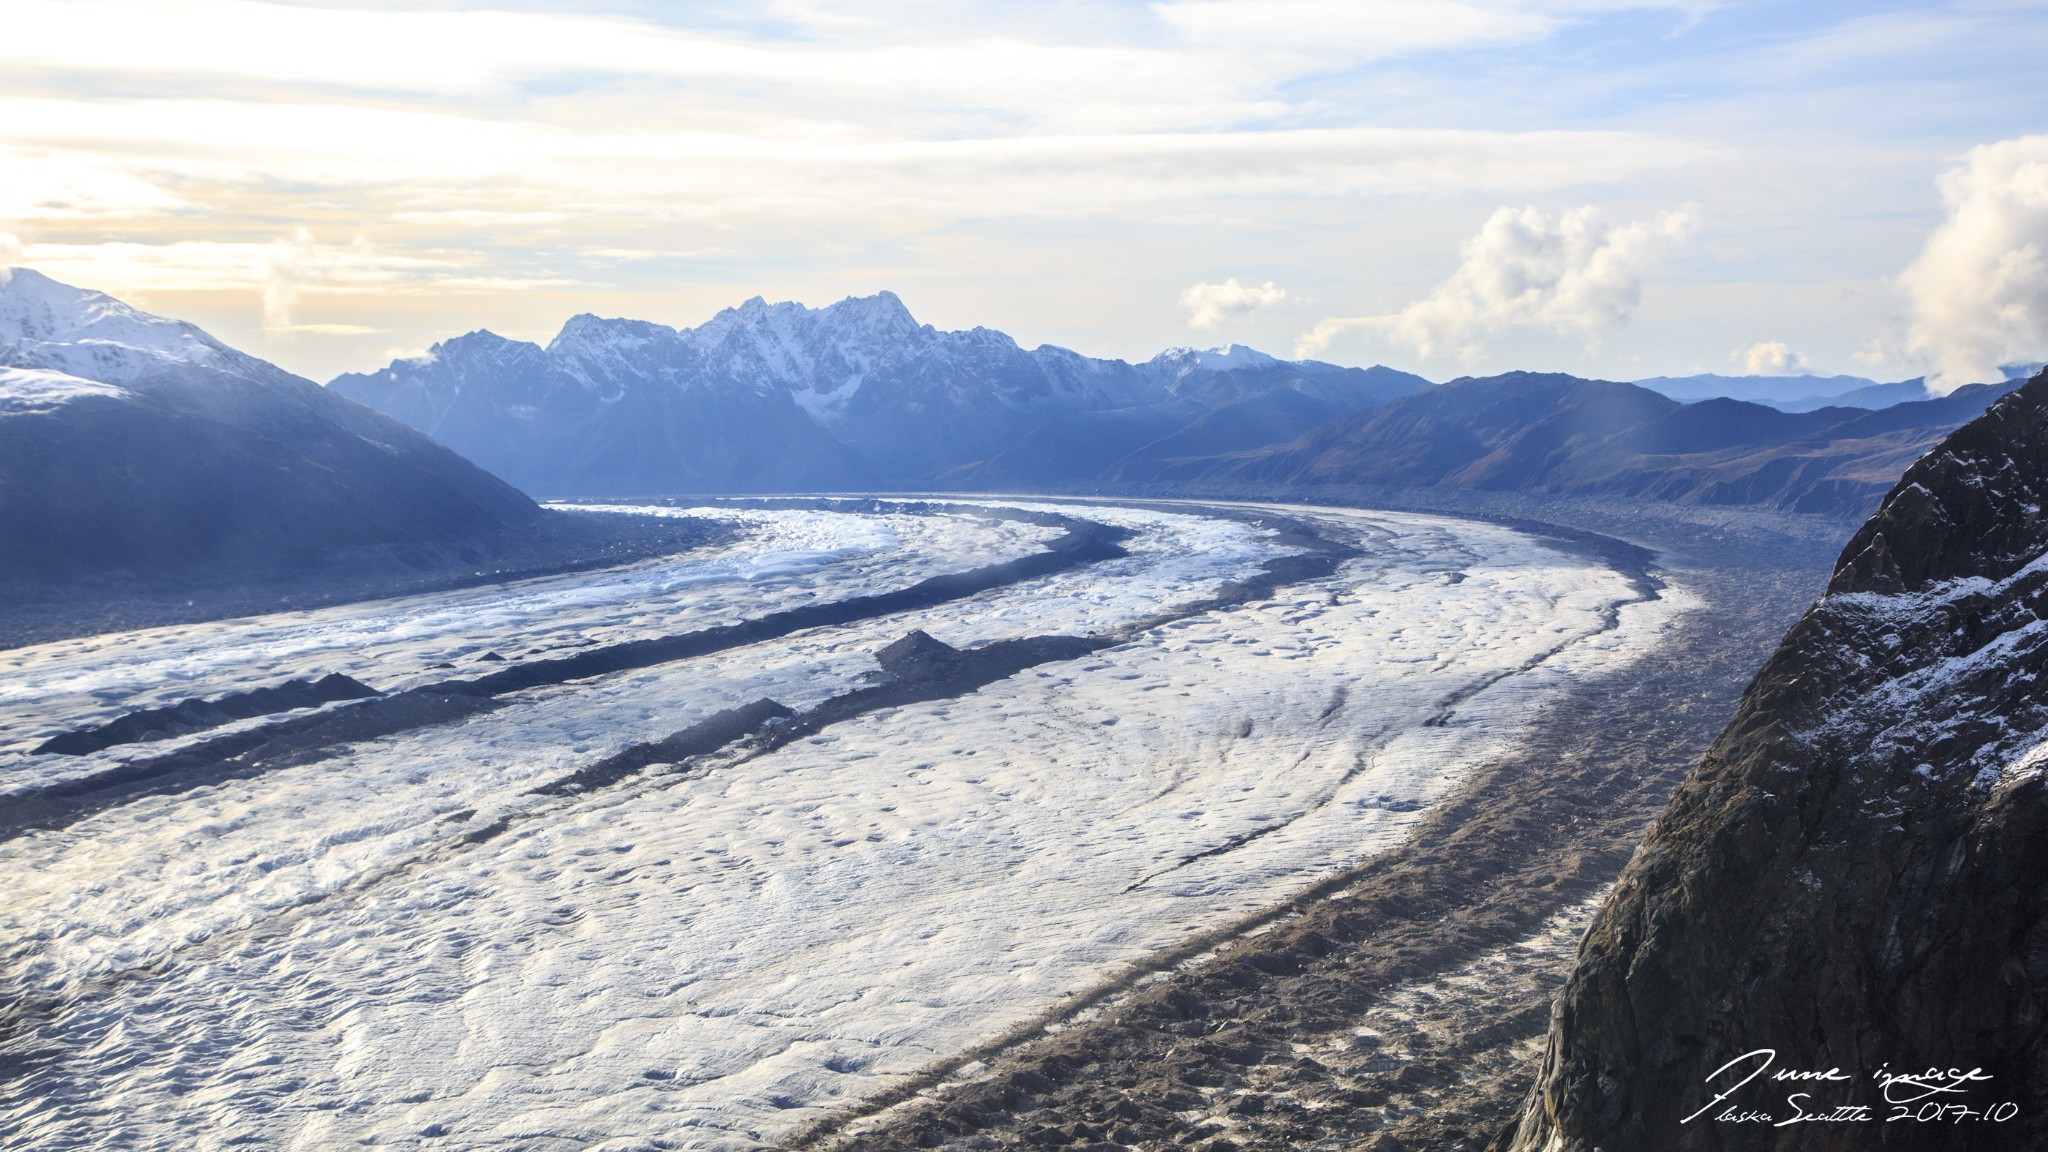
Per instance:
x=1317, y=339
x=866, y=74
x=10, y=255
x=284, y=264
x=1210, y=304
x=1770, y=358
x=1979, y=289
x=1575, y=274
x=1063, y=69
x=290, y=266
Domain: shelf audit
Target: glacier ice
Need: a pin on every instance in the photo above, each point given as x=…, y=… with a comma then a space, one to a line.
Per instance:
x=405, y=939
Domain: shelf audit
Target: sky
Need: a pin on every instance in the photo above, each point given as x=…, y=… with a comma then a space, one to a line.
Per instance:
x=1614, y=188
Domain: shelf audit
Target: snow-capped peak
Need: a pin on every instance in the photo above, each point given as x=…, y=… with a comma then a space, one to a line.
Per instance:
x=586, y=333
x=47, y=324
x=481, y=343
x=1231, y=357
x=36, y=310
x=880, y=314
x=1180, y=363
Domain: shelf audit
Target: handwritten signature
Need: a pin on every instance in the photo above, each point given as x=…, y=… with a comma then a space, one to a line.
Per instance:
x=1931, y=1095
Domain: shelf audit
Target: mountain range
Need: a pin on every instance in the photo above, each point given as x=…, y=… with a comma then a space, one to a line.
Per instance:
x=1546, y=432
x=859, y=395
x=133, y=442
x=780, y=397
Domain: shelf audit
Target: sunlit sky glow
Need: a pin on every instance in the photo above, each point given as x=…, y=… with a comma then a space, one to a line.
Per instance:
x=1618, y=188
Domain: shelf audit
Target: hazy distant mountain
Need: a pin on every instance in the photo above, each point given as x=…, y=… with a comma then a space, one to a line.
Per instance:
x=858, y=394
x=1234, y=373
x=1873, y=397
x=1807, y=393
x=131, y=441
x=1225, y=399
x=1776, y=391
x=1549, y=432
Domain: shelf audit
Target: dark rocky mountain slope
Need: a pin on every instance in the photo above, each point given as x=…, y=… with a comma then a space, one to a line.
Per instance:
x=1856, y=876
x=1546, y=432
x=132, y=442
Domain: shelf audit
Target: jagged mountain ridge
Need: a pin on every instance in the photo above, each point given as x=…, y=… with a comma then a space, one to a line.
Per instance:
x=859, y=395
x=130, y=441
x=1527, y=431
x=1853, y=877
x=856, y=394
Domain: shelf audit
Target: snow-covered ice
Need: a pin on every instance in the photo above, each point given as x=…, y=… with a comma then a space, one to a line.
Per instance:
x=332, y=953
x=783, y=559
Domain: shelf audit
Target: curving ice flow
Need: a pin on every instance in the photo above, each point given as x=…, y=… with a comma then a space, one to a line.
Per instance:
x=401, y=943
x=782, y=558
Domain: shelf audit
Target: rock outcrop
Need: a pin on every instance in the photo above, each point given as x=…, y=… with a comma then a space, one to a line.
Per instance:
x=1854, y=882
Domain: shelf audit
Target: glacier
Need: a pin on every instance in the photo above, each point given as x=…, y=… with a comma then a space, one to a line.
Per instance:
x=408, y=941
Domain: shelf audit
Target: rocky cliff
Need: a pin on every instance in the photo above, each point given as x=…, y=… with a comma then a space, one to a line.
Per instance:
x=1853, y=885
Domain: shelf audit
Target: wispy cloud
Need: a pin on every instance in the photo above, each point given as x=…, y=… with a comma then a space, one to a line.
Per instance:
x=1224, y=66
x=1573, y=274
x=436, y=161
x=1979, y=289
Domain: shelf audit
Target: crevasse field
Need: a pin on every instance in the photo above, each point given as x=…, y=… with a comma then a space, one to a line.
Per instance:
x=400, y=942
